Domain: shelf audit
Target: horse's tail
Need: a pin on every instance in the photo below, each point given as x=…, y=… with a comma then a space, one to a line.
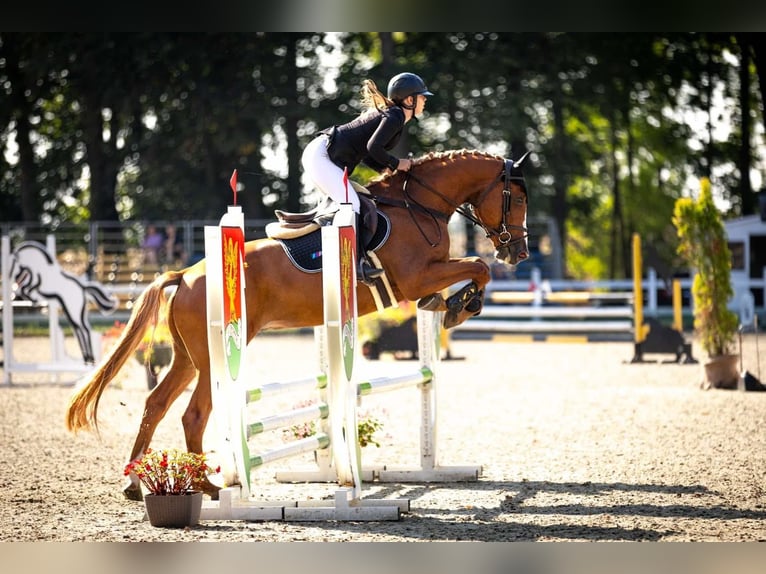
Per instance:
x=83, y=406
x=104, y=301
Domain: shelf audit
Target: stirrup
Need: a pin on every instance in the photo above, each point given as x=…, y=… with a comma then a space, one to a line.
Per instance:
x=366, y=273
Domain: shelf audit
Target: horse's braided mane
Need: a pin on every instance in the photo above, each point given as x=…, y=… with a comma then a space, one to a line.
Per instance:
x=449, y=155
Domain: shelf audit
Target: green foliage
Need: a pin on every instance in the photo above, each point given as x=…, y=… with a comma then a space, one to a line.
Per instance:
x=704, y=247
x=366, y=428
x=585, y=250
x=585, y=255
x=370, y=326
x=367, y=425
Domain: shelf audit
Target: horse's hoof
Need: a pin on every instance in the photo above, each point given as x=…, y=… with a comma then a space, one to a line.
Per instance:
x=474, y=306
x=455, y=305
x=450, y=319
x=431, y=302
x=209, y=488
x=133, y=493
x=458, y=301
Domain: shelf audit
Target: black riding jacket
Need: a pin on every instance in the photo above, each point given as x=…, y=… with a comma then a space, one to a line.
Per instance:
x=367, y=139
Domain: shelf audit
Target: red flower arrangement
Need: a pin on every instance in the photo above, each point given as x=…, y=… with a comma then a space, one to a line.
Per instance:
x=171, y=472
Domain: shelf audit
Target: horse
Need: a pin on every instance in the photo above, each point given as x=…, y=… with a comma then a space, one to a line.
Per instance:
x=488, y=189
x=39, y=277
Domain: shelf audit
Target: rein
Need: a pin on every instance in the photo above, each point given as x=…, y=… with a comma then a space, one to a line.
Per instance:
x=503, y=233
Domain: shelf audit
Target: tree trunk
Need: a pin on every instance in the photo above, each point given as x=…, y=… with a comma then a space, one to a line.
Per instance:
x=758, y=44
x=291, y=131
x=616, y=264
x=103, y=174
x=386, y=52
x=559, y=205
x=707, y=169
x=21, y=112
x=628, y=226
x=745, y=190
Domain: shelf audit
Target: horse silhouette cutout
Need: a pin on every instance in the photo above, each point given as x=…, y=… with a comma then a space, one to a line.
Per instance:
x=39, y=277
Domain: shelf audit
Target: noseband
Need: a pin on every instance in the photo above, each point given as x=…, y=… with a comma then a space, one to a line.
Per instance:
x=503, y=232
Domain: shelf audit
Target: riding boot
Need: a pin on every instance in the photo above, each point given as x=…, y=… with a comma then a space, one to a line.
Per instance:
x=366, y=272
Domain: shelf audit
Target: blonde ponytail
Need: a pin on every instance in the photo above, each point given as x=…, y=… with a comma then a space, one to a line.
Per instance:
x=372, y=98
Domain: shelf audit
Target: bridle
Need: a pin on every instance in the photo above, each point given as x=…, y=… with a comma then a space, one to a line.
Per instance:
x=503, y=232
x=469, y=211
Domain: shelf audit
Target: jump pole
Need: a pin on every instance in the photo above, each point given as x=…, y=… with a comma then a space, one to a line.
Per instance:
x=640, y=330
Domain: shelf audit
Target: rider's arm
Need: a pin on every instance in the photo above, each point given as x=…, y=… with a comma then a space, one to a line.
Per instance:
x=385, y=137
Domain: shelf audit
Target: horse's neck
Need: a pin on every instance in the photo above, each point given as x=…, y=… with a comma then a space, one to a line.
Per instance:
x=451, y=186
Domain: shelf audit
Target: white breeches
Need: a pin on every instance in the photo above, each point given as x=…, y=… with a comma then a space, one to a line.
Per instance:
x=325, y=175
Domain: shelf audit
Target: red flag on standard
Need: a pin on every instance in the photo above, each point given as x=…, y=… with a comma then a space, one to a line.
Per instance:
x=233, y=184
x=345, y=181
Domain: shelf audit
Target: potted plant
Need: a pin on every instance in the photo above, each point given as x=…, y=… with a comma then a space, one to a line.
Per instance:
x=172, y=478
x=704, y=247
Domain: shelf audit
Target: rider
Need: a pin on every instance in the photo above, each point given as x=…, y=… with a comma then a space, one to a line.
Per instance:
x=368, y=139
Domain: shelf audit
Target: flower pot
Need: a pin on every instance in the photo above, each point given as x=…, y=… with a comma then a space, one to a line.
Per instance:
x=721, y=372
x=173, y=510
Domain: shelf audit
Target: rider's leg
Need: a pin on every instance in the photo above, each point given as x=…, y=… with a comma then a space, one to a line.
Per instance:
x=366, y=224
x=325, y=175
x=366, y=272
x=328, y=177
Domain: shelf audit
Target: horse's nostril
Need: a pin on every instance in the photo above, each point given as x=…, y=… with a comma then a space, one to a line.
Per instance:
x=523, y=255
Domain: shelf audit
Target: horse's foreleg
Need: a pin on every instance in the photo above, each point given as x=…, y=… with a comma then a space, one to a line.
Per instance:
x=438, y=276
x=465, y=303
x=194, y=422
x=158, y=402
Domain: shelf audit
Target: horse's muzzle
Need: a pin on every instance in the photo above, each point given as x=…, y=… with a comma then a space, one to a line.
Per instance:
x=512, y=254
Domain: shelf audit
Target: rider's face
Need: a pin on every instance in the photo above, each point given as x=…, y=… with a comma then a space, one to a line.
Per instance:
x=420, y=104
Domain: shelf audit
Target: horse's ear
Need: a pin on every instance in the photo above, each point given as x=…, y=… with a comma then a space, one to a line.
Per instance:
x=520, y=162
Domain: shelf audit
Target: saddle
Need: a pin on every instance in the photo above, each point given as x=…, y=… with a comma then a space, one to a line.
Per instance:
x=291, y=225
x=300, y=237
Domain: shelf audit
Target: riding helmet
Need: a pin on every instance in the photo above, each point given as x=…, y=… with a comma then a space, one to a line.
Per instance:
x=406, y=84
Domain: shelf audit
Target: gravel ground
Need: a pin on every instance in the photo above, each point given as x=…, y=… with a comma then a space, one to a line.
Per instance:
x=576, y=444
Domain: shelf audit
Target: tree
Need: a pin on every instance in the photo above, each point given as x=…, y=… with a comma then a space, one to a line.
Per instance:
x=703, y=245
x=150, y=126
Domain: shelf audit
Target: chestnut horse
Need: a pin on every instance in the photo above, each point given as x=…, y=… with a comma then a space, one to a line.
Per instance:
x=489, y=190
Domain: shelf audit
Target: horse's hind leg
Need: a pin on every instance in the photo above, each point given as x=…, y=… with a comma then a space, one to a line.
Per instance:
x=170, y=387
x=195, y=420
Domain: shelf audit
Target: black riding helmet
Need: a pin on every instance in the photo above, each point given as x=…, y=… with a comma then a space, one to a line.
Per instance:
x=406, y=84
